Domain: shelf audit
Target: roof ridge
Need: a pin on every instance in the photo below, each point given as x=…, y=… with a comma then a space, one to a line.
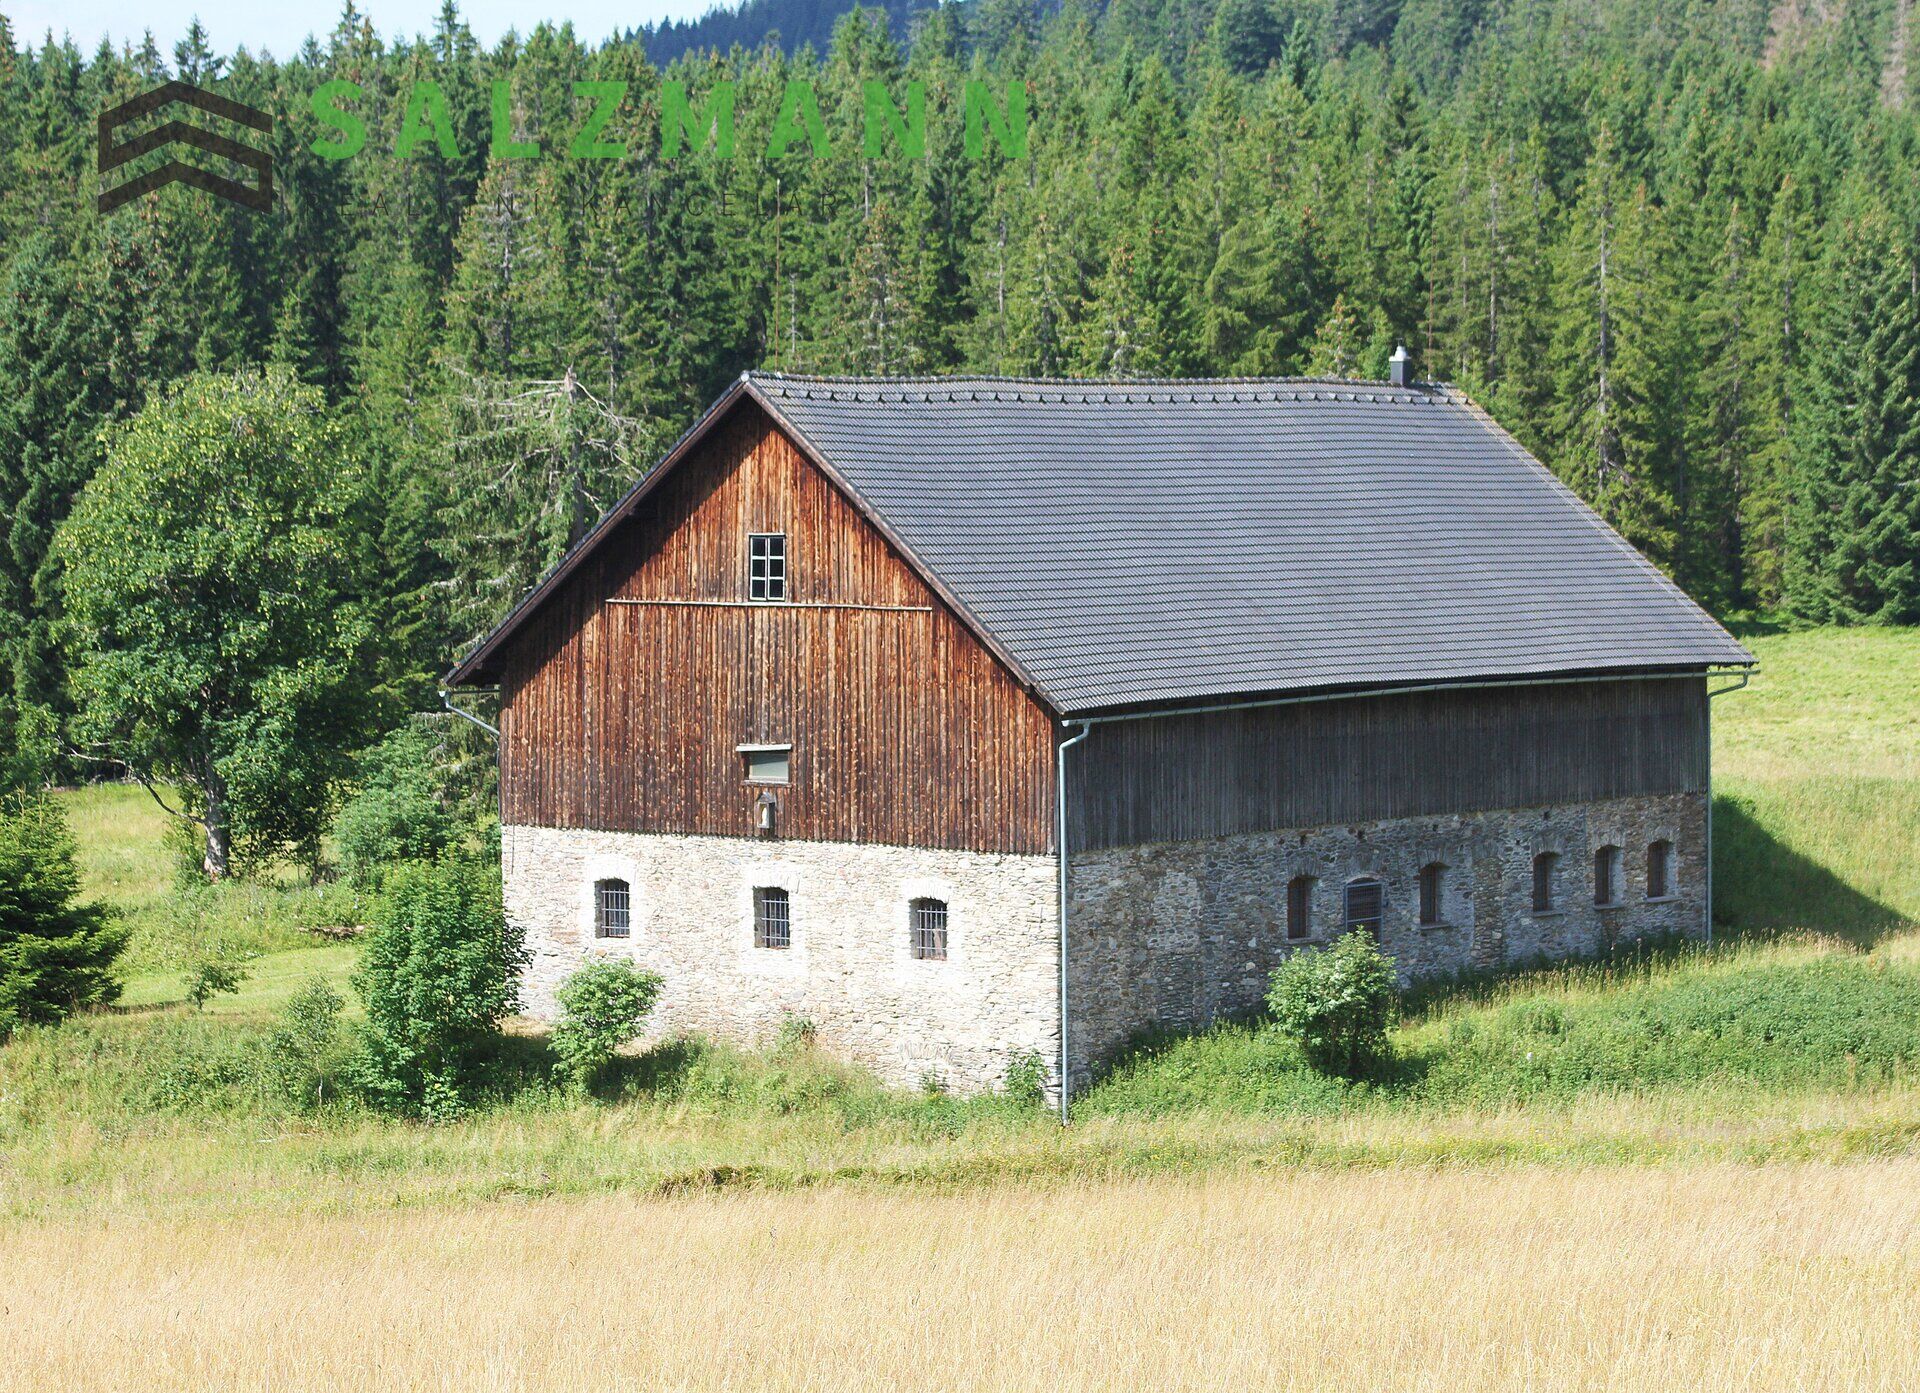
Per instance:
x=995, y=387
x=913, y=379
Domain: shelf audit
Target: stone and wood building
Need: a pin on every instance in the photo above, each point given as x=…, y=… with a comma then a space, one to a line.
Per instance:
x=944, y=712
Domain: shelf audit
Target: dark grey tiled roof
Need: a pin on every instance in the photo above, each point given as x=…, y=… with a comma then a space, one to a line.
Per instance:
x=1135, y=542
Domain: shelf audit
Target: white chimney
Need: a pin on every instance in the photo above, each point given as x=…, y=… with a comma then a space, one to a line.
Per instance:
x=1397, y=366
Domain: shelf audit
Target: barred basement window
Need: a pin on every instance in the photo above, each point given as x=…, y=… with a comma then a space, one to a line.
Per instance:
x=1659, y=870
x=1432, y=882
x=772, y=917
x=1606, y=876
x=1300, y=907
x=928, y=919
x=1543, y=868
x=612, y=905
x=1366, y=906
x=767, y=565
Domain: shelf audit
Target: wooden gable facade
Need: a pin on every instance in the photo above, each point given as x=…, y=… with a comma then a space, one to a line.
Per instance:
x=627, y=694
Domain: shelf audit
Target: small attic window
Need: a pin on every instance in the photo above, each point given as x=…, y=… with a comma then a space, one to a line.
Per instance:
x=767, y=764
x=767, y=566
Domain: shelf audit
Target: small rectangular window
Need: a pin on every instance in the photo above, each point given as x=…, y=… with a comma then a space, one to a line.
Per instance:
x=767, y=565
x=1606, y=875
x=767, y=764
x=929, y=929
x=1543, y=865
x=1659, y=855
x=1432, y=882
x=772, y=918
x=1366, y=906
x=1300, y=906
x=612, y=909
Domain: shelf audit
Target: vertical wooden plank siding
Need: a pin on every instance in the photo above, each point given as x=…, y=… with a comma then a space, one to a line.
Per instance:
x=1321, y=763
x=623, y=701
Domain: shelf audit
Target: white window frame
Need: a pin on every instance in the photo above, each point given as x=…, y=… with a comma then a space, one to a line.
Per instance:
x=792, y=960
x=907, y=968
x=769, y=570
x=595, y=869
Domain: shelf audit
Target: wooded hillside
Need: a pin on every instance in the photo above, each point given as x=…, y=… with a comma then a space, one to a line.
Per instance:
x=1671, y=244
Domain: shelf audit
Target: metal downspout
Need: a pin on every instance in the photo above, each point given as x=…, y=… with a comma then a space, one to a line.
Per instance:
x=1060, y=848
x=446, y=700
x=1713, y=692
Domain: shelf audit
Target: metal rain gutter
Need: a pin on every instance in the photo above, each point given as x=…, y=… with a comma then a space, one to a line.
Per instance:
x=1464, y=686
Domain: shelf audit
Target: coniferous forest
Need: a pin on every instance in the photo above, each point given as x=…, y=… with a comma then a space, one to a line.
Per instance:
x=1672, y=245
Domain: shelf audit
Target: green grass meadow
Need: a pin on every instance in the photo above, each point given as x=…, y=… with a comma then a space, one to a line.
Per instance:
x=1796, y=1035
x=1817, y=786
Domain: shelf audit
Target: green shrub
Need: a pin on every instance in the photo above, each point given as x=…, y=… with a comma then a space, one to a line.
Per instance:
x=1232, y=1067
x=603, y=1003
x=206, y=949
x=184, y=845
x=1836, y=1021
x=56, y=954
x=211, y=977
x=438, y=974
x=400, y=813
x=794, y=1033
x=1337, y=1003
x=301, y=1046
x=1026, y=1081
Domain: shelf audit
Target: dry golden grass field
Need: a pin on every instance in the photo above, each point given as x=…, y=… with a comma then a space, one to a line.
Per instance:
x=1791, y=1277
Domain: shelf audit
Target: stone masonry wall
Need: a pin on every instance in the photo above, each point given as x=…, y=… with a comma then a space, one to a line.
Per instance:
x=1178, y=934
x=850, y=970
x=1173, y=935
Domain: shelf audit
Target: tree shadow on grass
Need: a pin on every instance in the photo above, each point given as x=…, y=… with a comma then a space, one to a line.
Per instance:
x=658, y=1069
x=512, y=1066
x=1395, y=1071
x=1762, y=887
x=1751, y=625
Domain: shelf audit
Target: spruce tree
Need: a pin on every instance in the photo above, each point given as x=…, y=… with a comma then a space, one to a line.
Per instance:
x=1617, y=429
x=56, y=951
x=1338, y=345
x=1853, y=511
x=51, y=411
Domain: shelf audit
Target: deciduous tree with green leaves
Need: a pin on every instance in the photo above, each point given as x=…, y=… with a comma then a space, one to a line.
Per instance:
x=215, y=617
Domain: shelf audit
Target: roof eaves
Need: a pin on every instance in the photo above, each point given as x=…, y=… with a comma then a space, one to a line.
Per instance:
x=1349, y=691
